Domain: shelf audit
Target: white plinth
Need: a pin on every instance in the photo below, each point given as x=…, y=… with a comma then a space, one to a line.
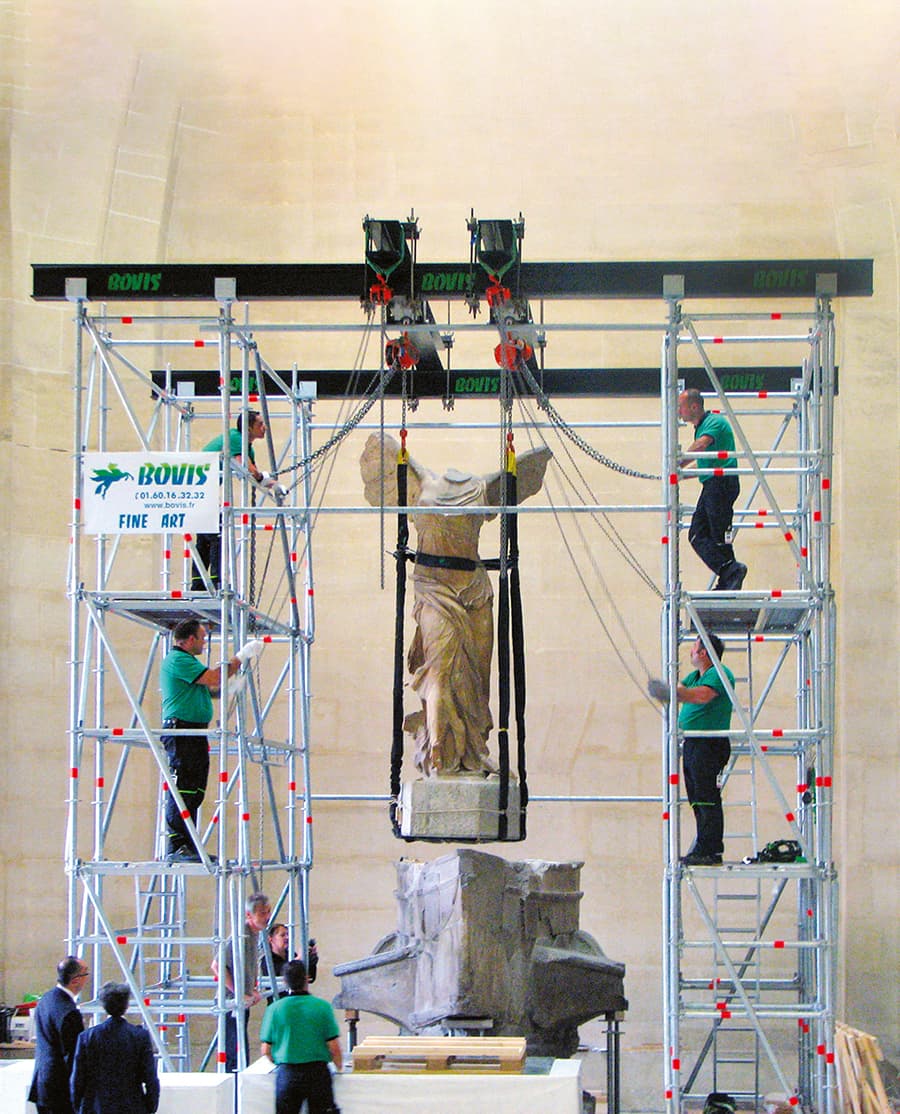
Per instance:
x=356, y=1093
x=195, y=1092
x=457, y=808
x=15, y=1079
x=432, y=1092
x=180, y=1092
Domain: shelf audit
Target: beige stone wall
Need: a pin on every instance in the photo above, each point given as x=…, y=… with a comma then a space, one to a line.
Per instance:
x=203, y=131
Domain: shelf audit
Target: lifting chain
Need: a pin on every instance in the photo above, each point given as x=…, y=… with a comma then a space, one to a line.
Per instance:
x=557, y=420
x=352, y=422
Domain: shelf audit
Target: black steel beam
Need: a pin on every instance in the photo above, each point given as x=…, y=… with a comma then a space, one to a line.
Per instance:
x=559, y=382
x=726, y=279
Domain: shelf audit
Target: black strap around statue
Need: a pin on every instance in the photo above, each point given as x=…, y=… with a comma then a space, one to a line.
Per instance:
x=503, y=688
x=400, y=556
x=511, y=636
x=518, y=655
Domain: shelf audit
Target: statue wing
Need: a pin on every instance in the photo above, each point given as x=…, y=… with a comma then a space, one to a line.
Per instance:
x=530, y=468
x=379, y=461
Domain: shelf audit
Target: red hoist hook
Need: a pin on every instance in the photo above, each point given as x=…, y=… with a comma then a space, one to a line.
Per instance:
x=402, y=353
x=512, y=352
x=496, y=294
x=379, y=292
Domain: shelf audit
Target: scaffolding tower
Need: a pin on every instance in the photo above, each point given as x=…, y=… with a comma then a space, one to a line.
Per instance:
x=749, y=948
x=257, y=834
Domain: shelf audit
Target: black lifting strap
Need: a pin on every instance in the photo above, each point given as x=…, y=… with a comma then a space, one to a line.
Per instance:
x=510, y=634
x=400, y=556
x=503, y=699
x=518, y=656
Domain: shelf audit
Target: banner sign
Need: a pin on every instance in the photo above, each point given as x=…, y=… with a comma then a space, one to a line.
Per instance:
x=150, y=493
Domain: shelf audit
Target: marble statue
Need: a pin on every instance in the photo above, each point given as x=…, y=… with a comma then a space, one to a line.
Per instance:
x=450, y=654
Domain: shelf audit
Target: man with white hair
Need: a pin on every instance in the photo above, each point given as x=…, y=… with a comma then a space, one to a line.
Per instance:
x=256, y=919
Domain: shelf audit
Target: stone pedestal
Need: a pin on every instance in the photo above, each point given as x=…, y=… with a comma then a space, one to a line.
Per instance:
x=457, y=808
x=486, y=944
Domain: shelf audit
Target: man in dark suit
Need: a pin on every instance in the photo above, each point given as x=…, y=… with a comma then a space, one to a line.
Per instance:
x=57, y=1023
x=115, y=1069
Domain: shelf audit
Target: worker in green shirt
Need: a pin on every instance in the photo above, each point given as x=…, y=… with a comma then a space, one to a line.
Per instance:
x=705, y=706
x=188, y=686
x=209, y=546
x=712, y=518
x=300, y=1034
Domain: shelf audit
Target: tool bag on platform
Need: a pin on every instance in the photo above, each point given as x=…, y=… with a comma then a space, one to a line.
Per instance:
x=779, y=851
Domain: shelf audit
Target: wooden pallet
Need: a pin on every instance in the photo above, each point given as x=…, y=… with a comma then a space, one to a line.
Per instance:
x=859, y=1078
x=418, y=1054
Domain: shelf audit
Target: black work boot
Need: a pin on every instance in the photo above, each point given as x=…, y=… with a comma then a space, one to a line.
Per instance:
x=731, y=577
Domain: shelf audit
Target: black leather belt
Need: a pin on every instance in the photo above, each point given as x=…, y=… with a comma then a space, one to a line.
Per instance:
x=458, y=564
x=185, y=723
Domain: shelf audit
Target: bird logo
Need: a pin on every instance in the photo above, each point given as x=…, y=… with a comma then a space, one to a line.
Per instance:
x=104, y=478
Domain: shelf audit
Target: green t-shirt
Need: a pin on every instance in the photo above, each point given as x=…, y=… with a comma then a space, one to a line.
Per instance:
x=181, y=697
x=298, y=1028
x=716, y=427
x=714, y=716
x=234, y=444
